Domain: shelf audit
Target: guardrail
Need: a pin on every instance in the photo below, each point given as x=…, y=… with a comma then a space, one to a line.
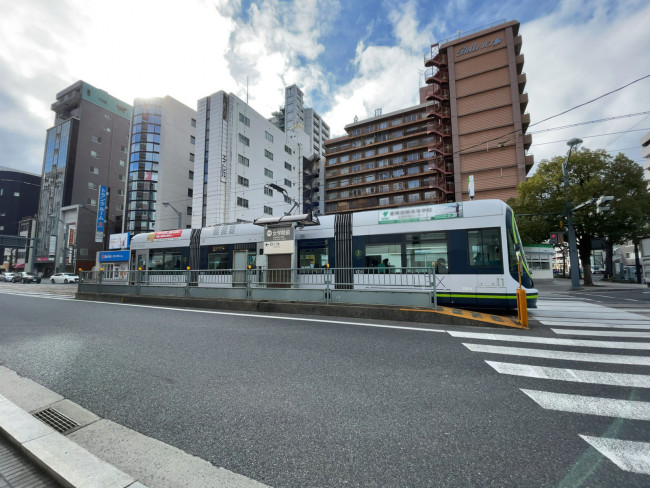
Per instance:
x=414, y=286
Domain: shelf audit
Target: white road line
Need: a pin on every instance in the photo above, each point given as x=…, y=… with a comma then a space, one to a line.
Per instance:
x=603, y=333
x=645, y=346
x=630, y=456
x=599, y=324
x=561, y=355
x=606, y=407
x=574, y=375
x=260, y=316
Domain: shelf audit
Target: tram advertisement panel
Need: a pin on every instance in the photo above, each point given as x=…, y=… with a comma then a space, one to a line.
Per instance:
x=417, y=214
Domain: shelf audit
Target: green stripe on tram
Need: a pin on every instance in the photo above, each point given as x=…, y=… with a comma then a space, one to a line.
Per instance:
x=498, y=297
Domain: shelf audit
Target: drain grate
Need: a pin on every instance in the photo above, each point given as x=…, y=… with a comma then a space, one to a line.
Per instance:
x=56, y=420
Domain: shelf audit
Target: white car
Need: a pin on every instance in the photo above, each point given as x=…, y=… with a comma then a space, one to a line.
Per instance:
x=64, y=278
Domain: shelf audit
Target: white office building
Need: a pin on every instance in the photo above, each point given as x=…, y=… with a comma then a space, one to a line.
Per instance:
x=161, y=166
x=239, y=153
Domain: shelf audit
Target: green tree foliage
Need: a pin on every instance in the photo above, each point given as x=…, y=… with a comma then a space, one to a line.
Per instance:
x=591, y=174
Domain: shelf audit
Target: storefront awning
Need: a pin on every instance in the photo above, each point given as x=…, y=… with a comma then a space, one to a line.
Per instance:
x=19, y=266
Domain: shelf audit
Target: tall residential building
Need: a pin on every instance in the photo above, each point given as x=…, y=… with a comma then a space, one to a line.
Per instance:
x=297, y=116
x=477, y=110
x=239, y=154
x=161, y=166
x=86, y=148
x=19, y=192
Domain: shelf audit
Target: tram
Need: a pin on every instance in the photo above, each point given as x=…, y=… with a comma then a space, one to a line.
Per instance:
x=474, y=248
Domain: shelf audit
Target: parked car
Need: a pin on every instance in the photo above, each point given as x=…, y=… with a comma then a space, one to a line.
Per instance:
x=28, y=277
x=64, y=278
x=11, y=276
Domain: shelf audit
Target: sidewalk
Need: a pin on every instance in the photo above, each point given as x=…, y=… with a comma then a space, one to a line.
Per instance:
x=17, y=471
x=564, y=284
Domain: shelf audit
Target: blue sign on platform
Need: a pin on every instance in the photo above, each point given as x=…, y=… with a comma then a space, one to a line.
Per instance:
x=113, y=256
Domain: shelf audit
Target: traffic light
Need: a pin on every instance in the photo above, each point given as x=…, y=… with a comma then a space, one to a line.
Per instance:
x=602, y=204
x=554, y=239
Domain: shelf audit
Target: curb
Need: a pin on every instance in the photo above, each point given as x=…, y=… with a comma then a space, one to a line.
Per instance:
x=67, y=462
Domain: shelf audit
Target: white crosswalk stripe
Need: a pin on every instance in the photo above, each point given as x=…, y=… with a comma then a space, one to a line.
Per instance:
x=606, y=407
x=576, y=375
x=594, y=323
x=630, y=456
x=561, y=355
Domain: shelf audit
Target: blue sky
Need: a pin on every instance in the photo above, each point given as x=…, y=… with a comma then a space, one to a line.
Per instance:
x=349, y=58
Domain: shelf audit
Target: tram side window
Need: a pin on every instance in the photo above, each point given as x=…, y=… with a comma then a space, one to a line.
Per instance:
x=313, y=254
x=219, y=260
x=165, y=260
x=387, y=258
x=422, y=250
x=484, y=247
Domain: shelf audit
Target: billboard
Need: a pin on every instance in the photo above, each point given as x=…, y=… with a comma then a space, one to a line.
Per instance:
x=101, y=213
x=119, y=241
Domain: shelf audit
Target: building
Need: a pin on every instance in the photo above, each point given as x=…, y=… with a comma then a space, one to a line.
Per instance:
x=384, y=162
x=470, y=122
x=161, y=166
x=239, y=154
x=477, y=110
x=86, y=151
x=19, y=192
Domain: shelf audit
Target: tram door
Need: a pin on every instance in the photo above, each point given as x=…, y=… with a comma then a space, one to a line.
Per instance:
x=241, y=264
x=279, y=271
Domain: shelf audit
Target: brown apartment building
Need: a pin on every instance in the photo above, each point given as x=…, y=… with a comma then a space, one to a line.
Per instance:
x=471, y=121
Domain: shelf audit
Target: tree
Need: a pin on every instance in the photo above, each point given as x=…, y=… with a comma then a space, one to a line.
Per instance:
x=591, y=174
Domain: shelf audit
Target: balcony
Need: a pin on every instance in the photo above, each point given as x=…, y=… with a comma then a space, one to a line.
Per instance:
x=528, y=140
x=517, y=43
x=525, y=122
x=441, y=146
x=519, y=60
x=521, y=81
x=523, y=102
x=529, y=161
x=441, y=164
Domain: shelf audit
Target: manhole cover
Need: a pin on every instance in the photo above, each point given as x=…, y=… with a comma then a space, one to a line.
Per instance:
x=56, y=420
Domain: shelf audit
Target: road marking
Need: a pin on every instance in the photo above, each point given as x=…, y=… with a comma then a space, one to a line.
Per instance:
x=551, y=340
x=601, y=324
x=603, y=333
x=573, y=375
x=606, y=407
x=561, y=355
x=630, y=456
x=261, y=316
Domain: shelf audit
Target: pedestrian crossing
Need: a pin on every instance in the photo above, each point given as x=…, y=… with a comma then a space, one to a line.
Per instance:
x=594, y=329
x=34, y=293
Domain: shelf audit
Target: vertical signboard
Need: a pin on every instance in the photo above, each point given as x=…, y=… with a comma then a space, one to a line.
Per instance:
x=101, y=213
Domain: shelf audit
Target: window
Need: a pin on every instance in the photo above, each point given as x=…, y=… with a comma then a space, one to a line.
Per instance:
x=16, y=193
x=268, y=136
x=268, y=191
x=191, y=175
x=484, y=248
x=190, y=192
x=192, y=157
x=243, y=160
x=122, y=163
x=397, y=147
x=92, y=186
x=384, y=201
x=382, y=150
x=356, y=167
x=242, y=202
x=398, y=199
x=424, y=249
x=193, y=122
x=287, y=199
x=242, y=181
x=288, y=166
x=94, y=170
x=268, y=154
x=287, y=149
x=192, y=140
x=244, y=140
x=414, y=184
x=244, y=120
x=91, y=201
x=288, y=183
x=384, y=188
x=268, y=210
x=370, y=165
x=120, y=192
x=97, y=139
x=120, y=177
x=268, y=172
x=384, y=255
x=189, y=210
x=94, y=154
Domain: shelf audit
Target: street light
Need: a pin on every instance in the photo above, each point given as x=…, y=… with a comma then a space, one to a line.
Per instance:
x=167, y=204
x=573, y=249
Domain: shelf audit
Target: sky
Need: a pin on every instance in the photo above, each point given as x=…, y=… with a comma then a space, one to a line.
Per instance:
x=349, y=58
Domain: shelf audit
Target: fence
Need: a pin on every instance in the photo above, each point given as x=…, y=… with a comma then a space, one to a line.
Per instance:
x=381, y=286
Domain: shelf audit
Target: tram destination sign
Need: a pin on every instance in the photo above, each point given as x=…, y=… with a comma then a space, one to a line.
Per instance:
x=278, y=240
x=419, y=214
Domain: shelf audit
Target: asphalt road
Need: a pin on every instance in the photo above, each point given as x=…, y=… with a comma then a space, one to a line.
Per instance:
x=300, y=403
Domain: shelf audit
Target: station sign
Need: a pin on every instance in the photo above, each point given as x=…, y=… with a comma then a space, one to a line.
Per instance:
x=279, y=240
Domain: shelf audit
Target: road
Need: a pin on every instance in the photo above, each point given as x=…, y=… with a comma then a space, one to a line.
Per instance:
x=312, y=401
